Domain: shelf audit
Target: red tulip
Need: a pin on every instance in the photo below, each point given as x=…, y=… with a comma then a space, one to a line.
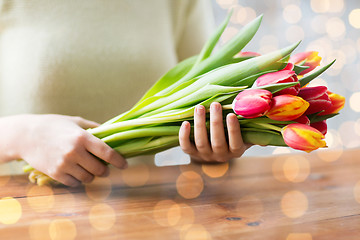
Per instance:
x=283, y=76
x=287, y=107
x=302, y=119
x=310, y=59
x=317, y=97
x=337, y=103
x=320, y=126
x=303, y=137
x=252, y=103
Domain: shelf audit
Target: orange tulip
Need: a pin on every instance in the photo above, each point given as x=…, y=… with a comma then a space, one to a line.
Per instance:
x=312, y=60
x=287, y=107
x=337, y=103
x=303, y=137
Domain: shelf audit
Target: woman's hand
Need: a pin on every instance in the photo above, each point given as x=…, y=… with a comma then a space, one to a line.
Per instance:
x=58, y=146
x=217, y=149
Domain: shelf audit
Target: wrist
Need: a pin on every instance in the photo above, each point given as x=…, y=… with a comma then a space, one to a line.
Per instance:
x=13, y=131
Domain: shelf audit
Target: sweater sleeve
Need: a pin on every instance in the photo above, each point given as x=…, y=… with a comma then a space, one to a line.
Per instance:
x=196, y=23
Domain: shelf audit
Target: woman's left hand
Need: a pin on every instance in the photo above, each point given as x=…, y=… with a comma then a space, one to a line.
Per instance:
x=217, y=149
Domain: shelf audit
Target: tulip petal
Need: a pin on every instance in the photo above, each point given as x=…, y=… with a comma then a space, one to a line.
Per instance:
x=303, y=137
x=287, y=107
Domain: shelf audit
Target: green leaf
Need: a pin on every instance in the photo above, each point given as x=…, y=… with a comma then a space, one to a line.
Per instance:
x=225, y=54
x=298, y=69
x=262, y=137
x=196, y=97
x=213, y=40
x=318, y=118
x=175, y=74
x=273, y=88
x=305, y=80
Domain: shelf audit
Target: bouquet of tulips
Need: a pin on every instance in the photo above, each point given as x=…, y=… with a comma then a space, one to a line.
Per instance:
x=267, y=92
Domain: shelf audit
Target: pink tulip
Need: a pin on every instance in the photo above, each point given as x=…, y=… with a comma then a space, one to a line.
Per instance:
x=337, y=103
x=320, y=126
x=287, y=107
x=317, y=97
x=283, y=76
x=247, y=54
x=303, y=137
x=252, y=103
x=310, y=59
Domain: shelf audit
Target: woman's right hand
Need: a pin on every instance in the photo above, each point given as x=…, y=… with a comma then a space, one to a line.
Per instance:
x=58, y=146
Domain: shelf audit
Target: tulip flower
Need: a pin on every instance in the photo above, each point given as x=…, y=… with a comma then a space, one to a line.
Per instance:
x=252, y=103
x=303, y=137
x=320, y=126
x=283, y=76
x=310, y=59
x=317, y=97
x=287, y=107
x=302, y=119
x=337, y=103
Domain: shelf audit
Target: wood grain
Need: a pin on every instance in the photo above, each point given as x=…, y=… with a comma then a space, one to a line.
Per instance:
x=290, y=197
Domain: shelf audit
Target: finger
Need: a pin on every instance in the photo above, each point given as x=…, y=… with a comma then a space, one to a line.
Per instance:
x=200, y=132
x=103, y=151
x=236, y=144
x=67, y=180
x=80, y=174
x=93, y=165
x=217, y=133
x=184, y=139
x=84, y=123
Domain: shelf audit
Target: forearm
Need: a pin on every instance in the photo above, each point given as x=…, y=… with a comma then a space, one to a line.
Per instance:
x=11, y=129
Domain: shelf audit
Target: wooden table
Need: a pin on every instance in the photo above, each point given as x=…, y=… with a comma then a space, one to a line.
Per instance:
x=290, y=197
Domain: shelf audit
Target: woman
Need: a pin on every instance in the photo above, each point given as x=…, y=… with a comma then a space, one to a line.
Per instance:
x=94, y=60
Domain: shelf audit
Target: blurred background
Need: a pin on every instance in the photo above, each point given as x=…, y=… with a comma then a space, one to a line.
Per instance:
x=331, y=27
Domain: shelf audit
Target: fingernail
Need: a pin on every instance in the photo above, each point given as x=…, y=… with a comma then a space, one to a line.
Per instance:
x=200, y=109
x=215, y=107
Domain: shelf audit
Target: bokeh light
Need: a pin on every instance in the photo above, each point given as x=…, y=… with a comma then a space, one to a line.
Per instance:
x=40, y=198
x=294, y=204
x=354, y=101
x=348, y=136
x=281, y=150
x=189, y=184
x=215, y=170
x=167, y=213
x=10, y=210
x=292, y=13
x=62, y=228
x=99, y=189
x=318, y=23
x=136, y=175
x=39, y=229
x=296, y=168
x=291, y=168
x=299, y=236
x=335, y=27
x=102, y=216
x=226, y=4
x=294, y=34
x=320, y=6
x=228, y=33
x=354, y=18
x=194, y=232
x=329, y=156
